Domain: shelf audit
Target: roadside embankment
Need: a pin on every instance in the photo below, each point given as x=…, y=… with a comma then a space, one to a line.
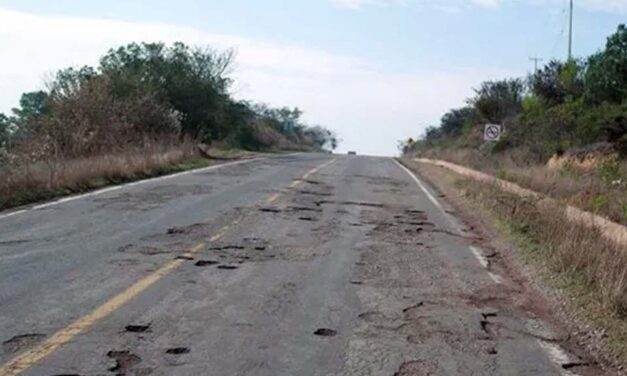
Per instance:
x=612, y=231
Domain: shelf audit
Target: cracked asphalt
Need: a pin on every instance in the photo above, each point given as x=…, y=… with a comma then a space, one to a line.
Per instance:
x=304, y=264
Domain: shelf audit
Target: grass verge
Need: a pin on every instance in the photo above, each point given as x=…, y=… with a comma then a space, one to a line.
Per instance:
x=601, y=190
x=586, y=273
x=30, y=183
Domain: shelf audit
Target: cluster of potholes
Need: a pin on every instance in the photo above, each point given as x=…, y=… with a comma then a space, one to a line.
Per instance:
x=419, y=321
x=496, y=311
x=125, y=362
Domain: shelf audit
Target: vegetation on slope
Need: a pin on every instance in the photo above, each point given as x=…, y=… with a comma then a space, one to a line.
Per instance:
x=576, y=108
x=144, y=108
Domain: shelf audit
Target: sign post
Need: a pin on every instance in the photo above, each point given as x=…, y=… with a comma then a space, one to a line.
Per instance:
x=492, y=132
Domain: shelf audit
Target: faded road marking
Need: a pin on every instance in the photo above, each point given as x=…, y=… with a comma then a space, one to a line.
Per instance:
x=26, y=360
x=277, y=195
x=479, y=255
x=29, y=358
x=13, y=213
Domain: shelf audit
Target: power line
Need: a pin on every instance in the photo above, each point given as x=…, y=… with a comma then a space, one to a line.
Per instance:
x=559, y=39
x=535, y=60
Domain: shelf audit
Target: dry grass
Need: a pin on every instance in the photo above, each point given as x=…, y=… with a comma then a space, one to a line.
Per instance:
x=569, y=248
x=602, y=191
x=24, y=182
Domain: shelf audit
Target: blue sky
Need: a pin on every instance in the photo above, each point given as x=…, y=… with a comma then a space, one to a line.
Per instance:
x=374, y=70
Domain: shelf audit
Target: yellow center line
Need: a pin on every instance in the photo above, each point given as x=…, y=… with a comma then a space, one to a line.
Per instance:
x=27, y=359
x=275, y=196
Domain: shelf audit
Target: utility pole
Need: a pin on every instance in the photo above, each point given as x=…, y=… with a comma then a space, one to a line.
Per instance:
x=535, y=60
x=570, y=32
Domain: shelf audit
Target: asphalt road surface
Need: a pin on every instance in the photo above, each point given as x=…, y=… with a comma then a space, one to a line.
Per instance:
x=305, y=264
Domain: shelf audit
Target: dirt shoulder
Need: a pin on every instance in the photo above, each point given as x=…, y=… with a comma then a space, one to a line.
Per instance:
x=580, y=306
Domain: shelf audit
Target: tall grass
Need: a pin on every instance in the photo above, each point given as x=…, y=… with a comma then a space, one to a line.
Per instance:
x=568, y=248
x=602, y=190
x=23, y=182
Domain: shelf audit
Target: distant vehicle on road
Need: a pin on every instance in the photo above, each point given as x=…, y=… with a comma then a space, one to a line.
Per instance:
x=352, y=153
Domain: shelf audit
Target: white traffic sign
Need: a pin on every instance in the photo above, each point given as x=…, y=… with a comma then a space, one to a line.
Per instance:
x=492, y=132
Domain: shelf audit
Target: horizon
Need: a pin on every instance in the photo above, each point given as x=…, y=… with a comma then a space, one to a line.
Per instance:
x=372, y=85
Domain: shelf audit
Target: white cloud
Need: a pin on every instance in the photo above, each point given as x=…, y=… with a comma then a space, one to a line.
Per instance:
x=458, y=5
x=596, y=5
x=359, y=4
x=486, y=3
x=370, y=108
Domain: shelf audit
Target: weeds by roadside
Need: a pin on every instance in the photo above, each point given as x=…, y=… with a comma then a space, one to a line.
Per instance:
x=602, y=190
x=25, y=182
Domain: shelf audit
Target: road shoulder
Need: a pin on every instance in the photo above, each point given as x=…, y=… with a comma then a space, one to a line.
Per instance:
x=571, y=306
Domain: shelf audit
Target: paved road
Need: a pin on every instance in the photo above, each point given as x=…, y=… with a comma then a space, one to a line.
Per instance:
x=307, y=264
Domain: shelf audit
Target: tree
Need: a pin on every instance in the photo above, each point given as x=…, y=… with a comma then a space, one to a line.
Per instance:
x=193, y=81
x=33, y=105
x=557, y=80
x=606, y=78
x=453, y=121
x=4, y=130
x=497, y=100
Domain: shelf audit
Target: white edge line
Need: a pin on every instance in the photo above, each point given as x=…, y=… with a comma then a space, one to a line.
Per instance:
x=557, y=355
x=484, y=262
x=422, y=186
x=496, y=278
x=479, y=255
x=116, y=187
x=12, y=213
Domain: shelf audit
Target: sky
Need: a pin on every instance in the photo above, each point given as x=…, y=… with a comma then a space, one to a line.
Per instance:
x=375, y=71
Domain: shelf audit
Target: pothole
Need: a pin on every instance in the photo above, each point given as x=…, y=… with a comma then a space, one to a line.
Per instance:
x=227, y=267
x=20, y=342
x=177, y=350
x=351, y=203
x=325, y=332
x=205, y=262
x=227, y=247
x=269, y=210
x=124, y=361
x=137, y=328
x=313, y=193
x=303, y=208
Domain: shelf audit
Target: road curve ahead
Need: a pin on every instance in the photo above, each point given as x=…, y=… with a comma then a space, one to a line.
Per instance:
x=306, y=264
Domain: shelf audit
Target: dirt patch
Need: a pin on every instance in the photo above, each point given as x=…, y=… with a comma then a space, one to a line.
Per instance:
x=124, y=361
x=415, y=368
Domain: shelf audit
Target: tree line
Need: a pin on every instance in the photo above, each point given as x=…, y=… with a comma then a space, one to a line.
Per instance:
x=144, y=92
x=564, y=105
